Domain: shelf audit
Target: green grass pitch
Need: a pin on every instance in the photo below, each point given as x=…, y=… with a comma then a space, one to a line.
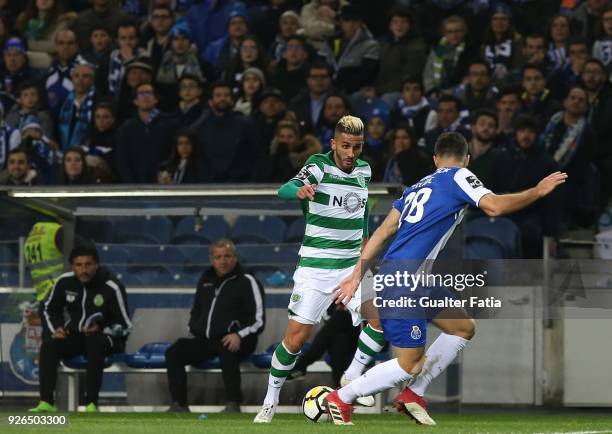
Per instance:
x=162, y=423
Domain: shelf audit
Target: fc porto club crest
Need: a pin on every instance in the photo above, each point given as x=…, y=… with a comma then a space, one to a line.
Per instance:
x=415, y=333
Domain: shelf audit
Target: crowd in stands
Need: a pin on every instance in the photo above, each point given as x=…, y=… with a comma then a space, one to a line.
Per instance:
x=228, y=91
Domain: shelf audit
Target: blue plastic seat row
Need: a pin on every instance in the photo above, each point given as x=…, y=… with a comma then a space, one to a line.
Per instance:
x=258, y=229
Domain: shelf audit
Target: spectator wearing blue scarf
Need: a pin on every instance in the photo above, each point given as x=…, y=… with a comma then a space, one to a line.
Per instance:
x=76, y=112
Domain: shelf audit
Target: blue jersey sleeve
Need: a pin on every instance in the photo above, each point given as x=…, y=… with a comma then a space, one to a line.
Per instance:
x=468, y=188
x=398, y=204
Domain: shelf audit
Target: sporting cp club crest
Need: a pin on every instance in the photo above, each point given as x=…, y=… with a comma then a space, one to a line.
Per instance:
x=295, y=297
x=98, y=300
x=351, y=202
x=415, y=333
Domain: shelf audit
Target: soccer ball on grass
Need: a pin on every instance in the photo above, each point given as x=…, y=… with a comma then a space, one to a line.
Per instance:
x=312, y=405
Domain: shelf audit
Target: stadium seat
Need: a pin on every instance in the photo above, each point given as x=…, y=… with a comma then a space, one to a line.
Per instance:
x=150, y=356
x=11, y=228
x=501, y=229
x=213, y=228
x=196, y=259
x=9, y=275
x=98, y=229
x=258, y=229
x=114, y=257
x=7, y=256
x=147, y=256
x=155, y=276
x=143, y=230
x=295, y=231
x=253, y=254
x=80, y=361
x=483, y=247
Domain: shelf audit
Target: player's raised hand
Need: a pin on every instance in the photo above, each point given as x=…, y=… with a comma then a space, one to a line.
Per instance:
x=346, y=290
x=306, y=192
x=551, y=182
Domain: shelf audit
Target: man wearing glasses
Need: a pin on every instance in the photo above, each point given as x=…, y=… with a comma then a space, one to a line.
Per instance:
x=308, y=104
x=162, y=20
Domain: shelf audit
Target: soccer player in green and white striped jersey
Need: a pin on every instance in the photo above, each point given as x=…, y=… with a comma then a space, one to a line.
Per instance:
x=333, y=190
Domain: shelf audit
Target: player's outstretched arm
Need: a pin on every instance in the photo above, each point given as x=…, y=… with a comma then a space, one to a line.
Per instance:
x=495, y=205
x=346, y=289
x=295, y=190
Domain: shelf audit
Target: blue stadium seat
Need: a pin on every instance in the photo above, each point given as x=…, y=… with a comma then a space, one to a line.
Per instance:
x=155, y=276
x=11, y=228
x=7, y=255
x=80, y=361
x=295, y=231
x=130, y=280
x=483, y=247
x=150, y=356
x=501, y=229
x=254, y=254
x=143, y=230
x=9, y=275
x=258, y=229
x=213, y=228
x=196, y=259
x=98, y=229
x=143, y=257
x=114, y=257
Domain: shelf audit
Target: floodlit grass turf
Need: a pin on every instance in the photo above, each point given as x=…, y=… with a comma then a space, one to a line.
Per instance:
x=164, y=423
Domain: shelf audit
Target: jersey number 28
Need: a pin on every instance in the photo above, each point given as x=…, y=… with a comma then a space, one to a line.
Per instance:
x=414, y=205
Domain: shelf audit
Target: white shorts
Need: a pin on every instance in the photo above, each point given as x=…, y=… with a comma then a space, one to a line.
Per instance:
x=313, y=292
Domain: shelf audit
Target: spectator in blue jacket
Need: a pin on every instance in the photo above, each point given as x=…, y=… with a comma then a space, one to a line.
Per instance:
x=221, y=51
x=209, y=20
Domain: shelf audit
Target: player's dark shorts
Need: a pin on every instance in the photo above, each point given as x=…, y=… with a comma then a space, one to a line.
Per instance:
x=404, y=313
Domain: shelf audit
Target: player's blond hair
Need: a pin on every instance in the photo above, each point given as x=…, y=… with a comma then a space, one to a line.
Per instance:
x=350, y=125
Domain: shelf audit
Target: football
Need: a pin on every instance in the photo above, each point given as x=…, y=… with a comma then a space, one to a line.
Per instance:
x=312, y=404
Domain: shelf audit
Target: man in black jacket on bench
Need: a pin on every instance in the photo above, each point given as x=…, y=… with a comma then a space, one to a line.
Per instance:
x=226, y=317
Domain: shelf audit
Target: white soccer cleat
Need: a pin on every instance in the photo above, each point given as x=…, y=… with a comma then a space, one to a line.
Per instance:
x=365, y=401
x=266, y=414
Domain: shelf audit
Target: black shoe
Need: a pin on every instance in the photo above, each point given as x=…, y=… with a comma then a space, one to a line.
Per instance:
x=177, y=408
x=231, y=407
x=296, y=374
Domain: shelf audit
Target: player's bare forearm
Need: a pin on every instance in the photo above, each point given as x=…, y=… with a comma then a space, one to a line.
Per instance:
x=495, y=205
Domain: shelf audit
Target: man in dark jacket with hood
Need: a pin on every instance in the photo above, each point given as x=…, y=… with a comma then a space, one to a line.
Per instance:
x=226, y=317
x=98, y=324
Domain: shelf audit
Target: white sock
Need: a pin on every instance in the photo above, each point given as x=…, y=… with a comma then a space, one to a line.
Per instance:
x=439, y=355
x=381, y=377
